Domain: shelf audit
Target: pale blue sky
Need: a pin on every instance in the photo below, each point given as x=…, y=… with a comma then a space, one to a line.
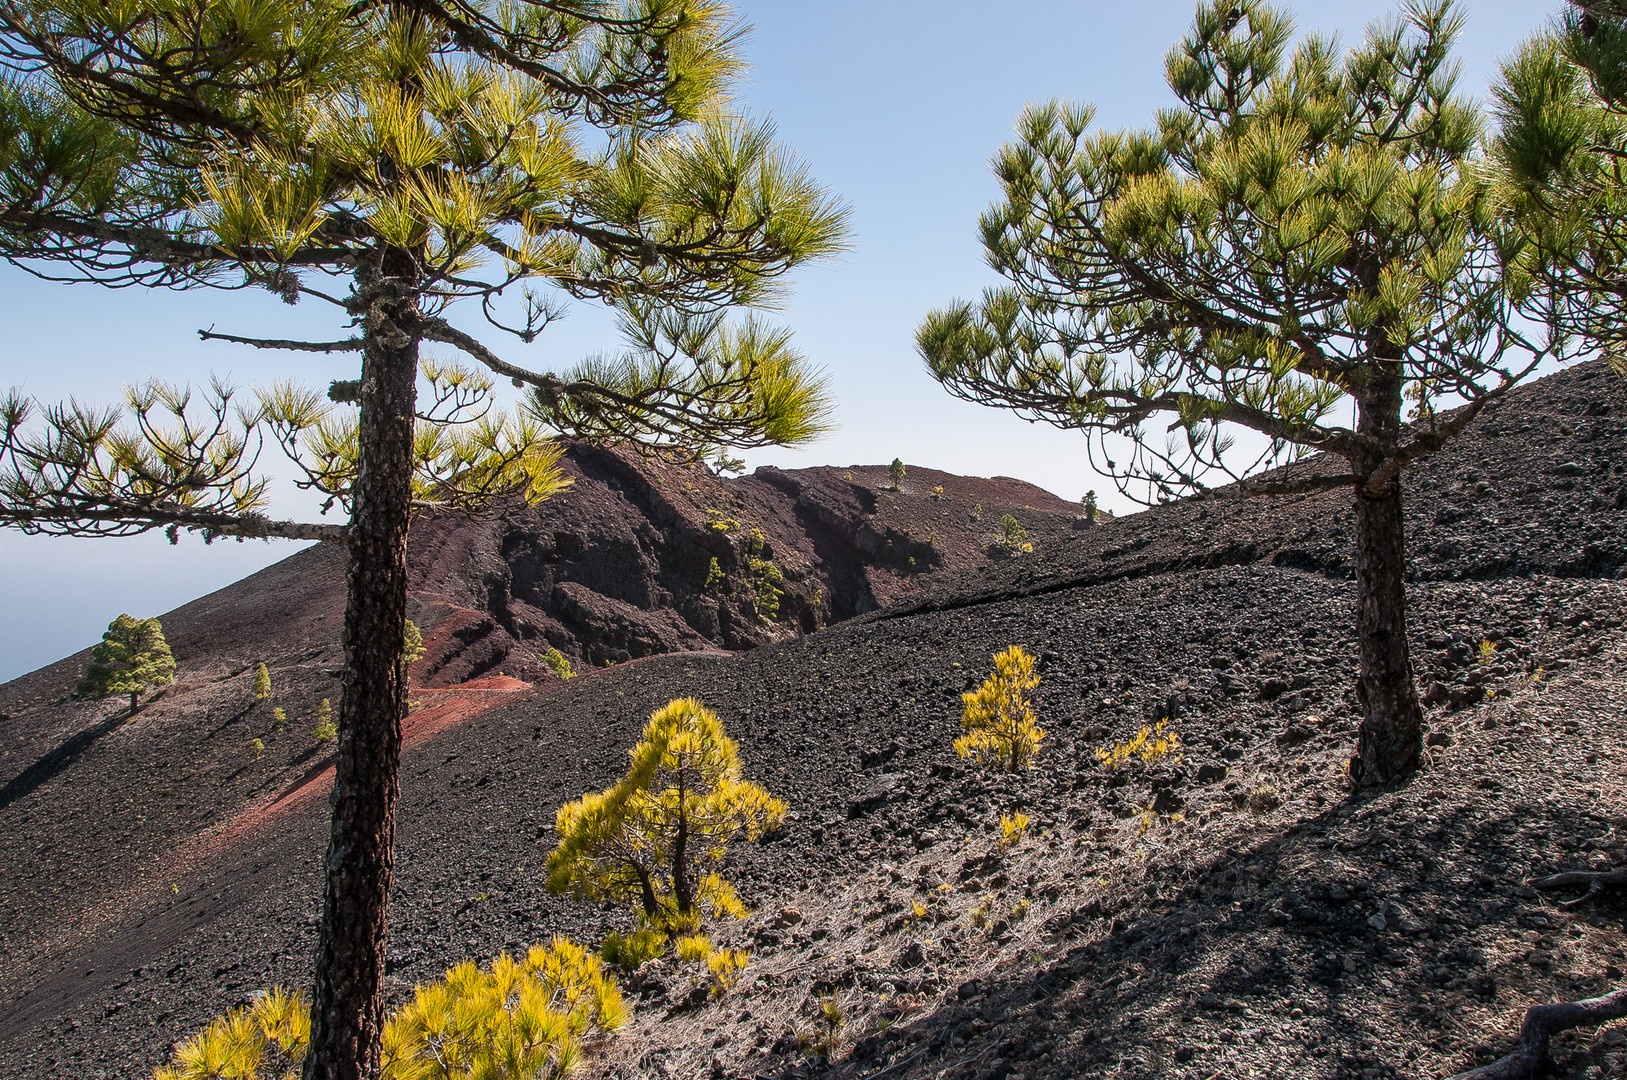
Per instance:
x=897, y=106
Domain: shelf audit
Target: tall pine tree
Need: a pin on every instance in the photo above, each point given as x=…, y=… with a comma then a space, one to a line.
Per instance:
x=389, y=161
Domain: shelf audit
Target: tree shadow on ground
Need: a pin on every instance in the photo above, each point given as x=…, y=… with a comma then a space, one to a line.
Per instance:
x=57, y=760
x=1297, y=956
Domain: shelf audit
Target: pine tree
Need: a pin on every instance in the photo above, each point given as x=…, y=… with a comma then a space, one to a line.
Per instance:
x=1561, y=111
x=412, y=644
x=895, y=474
x=1001, y=728
x=388, y=161
x=132, y=656
x=262, y=684
x=1304, y=250
x=650, y=839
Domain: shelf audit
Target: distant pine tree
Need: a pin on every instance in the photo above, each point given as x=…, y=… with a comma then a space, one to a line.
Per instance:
x=895, y=473
x=132, y=656
x=262, y=684
x=412, y=645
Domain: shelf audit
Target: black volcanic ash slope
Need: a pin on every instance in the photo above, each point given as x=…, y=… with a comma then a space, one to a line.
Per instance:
x=1318, y=936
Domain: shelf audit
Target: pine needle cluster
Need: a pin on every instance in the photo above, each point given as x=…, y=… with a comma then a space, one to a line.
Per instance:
x=1151, y=744
x=518, y=1019
x=1001, y=727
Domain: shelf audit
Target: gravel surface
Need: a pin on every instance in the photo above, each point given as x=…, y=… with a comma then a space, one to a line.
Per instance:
x=1233, y=913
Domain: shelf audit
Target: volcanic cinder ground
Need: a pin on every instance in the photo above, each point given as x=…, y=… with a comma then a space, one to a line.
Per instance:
x=1233, y=913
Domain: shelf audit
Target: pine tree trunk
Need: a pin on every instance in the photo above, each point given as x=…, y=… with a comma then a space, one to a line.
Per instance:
x=1390, y=739
x=346, y=1013
x=681, y=893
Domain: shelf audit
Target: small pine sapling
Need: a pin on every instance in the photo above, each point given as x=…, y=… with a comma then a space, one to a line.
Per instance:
x=1151, y=744
x=557, y=662
x=656, y=838
x=714, y=576
x=1013, y=537
x=131, y=657
x=278, y=716
x=895, y=474
x=937, y=491
x=1013, y=827
x=257, y=747
x=1088, y=501
x=412, y=644
x=262, y=684
x=325, y=730
x=998, y=716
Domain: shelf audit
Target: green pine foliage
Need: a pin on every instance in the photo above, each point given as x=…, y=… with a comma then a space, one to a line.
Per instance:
x=517, y=1019
x=558, y=663
x=132, y=657
x=895, y=473
x=325, y=730
x=412, y=644
x=998, y=717
x=262, y=684
x=656, y=839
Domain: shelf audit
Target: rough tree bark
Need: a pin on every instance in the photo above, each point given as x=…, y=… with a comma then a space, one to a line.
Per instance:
x=346, y=1014
x=1391, y=731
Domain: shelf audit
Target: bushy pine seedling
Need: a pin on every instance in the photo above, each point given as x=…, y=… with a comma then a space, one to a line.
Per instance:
x=998, y=716
x=649, y=839
x=412, y=644
x=1013, y=827
x=257, y=747
x=937, y=491
x=1151, y=744
x=519, y=1019
x=325, y=730
x=895, y=473
x=714, y=576
x=1013, y=537
x=693, y=948
x=262, y=684
x=557, y=662
x=1088, y=501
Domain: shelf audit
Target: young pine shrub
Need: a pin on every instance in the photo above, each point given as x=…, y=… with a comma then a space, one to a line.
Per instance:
x=1013, y=537
x=262, y=684
x=630, y=951
x=655, y=839
x=998, y=716
x=519, y=1019
x=558, y=664
x=1151, y=744
x=895, y=474
x=412, y=644
x=326, y=730
x=1013, y=827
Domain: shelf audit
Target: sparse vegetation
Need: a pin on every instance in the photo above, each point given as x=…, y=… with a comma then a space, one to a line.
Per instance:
x=262, y=684
x=326, y=730
x=412, y=644
x=766, y=578
x=1152, y=744
x=1263, y=799
x=1013, y=537
x=1088, y=502
x=514, y=1020
x=937, y=491
x=131, y=657
x=719, y=522
x=998, y=717
x=279, y=717
x=558, y=663
x=1013, y=827
x=977, y=511
x=895, y=474
x=714, y=576
x=257, y=747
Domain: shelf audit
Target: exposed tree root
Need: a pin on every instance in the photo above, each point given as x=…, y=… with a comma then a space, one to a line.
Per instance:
x=1596, y=882
x=1541, y=1024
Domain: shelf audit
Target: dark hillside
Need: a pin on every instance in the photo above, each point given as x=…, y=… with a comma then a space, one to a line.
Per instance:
x=1233, y=914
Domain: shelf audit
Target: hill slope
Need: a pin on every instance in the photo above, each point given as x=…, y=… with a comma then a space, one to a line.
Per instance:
x=1317, y=936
